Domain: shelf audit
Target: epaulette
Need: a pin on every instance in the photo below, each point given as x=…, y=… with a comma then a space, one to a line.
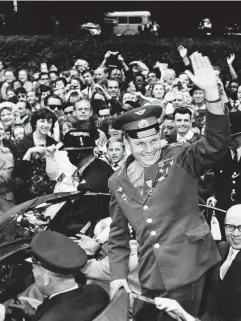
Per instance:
x=177, y=144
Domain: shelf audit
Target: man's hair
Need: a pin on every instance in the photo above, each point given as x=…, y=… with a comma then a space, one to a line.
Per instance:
x=74, y=94
x=88, y=71
x=76, y=78
x=21, y=90
x=113, y=140
x=155, y=71
x=168, y=117
x=139, y=74
x=109, y=80
x=9, y=69
x=46, y=99
x=183, y=111
x=82, y=100
x=42, y=113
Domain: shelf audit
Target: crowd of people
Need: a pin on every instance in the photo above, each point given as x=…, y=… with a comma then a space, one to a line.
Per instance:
x=99, y=131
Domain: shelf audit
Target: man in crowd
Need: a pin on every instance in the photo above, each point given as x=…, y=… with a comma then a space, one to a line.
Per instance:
x=79, y=170
x=54, y=270
x=227, y=178
x=225, y=294
x=88, y=77
x=146, y=192
x=183, y=123
x=82, y=109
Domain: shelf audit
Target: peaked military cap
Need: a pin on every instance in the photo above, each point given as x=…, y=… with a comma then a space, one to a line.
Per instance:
x=139, y=122
x=57, y=253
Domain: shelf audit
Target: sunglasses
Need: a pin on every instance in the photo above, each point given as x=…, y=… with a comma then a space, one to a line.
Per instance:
x=21, y=96
x=68, y=113
x=52, y=107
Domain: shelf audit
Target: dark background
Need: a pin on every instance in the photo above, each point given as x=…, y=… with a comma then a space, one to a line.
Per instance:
x=175, y=18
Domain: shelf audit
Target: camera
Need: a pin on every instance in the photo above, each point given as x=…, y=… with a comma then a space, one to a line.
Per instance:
x=178, y=85
x=113, y=61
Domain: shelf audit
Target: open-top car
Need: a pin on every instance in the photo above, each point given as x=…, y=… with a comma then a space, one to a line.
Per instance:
x=21, y=223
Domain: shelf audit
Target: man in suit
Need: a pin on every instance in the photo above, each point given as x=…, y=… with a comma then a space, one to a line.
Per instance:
x=76, y=167
x=54, y=269
x=156, y=192
x=225, y=296
x=227, y=173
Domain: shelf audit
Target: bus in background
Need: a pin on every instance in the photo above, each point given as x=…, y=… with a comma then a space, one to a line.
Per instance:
x=126, y=23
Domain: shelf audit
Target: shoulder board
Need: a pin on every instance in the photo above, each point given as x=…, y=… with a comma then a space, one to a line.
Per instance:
x=176, y=144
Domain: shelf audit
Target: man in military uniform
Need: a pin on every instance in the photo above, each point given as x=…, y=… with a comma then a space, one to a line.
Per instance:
x=227, y=174
x=56, y=259
x=156, y=192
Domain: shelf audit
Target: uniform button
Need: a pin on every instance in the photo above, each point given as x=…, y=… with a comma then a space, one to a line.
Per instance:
x=145, y=207
x=153, y=233
x=156, y=246
x=149, y=220
x=234, y=182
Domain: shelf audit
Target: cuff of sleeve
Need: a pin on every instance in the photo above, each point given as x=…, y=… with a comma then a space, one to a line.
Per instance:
x=214, y=121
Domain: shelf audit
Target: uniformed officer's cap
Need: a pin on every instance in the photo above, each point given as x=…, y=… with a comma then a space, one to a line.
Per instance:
x=139, y=122
x=57, y=253
x=235, y=123
x=81, y=138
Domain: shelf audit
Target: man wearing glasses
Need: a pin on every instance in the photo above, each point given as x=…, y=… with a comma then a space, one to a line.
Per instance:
x=55, y=104
x=225, y=295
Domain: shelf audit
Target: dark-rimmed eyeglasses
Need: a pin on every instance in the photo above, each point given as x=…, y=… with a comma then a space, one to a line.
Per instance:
x=52, y=107
x=231, y=228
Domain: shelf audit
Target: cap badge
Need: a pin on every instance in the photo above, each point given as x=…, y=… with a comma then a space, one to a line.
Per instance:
x=140, y=112
x=143, y=123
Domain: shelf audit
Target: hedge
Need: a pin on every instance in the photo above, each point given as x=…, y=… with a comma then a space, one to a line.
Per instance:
x=30, y=51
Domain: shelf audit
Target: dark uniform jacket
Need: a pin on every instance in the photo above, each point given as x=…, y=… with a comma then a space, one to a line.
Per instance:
x=224, y=302
x=82, y=304
x=89, y=208
x=175, y=243
x=227, y=186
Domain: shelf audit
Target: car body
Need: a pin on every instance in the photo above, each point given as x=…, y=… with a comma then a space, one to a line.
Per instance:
x=21, y=223
x=94, y=29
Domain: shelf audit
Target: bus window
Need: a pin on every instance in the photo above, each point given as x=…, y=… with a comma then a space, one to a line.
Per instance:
x=122, y=20
x=135, y=20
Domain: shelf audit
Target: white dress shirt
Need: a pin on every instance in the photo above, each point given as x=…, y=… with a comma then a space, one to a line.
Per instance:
x=186, y=137
x=231, y=256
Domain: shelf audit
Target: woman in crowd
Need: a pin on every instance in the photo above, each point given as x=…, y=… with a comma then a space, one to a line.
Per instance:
x=6, y=169
x=30, y=178
x=7, y=114
x=23, y=77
